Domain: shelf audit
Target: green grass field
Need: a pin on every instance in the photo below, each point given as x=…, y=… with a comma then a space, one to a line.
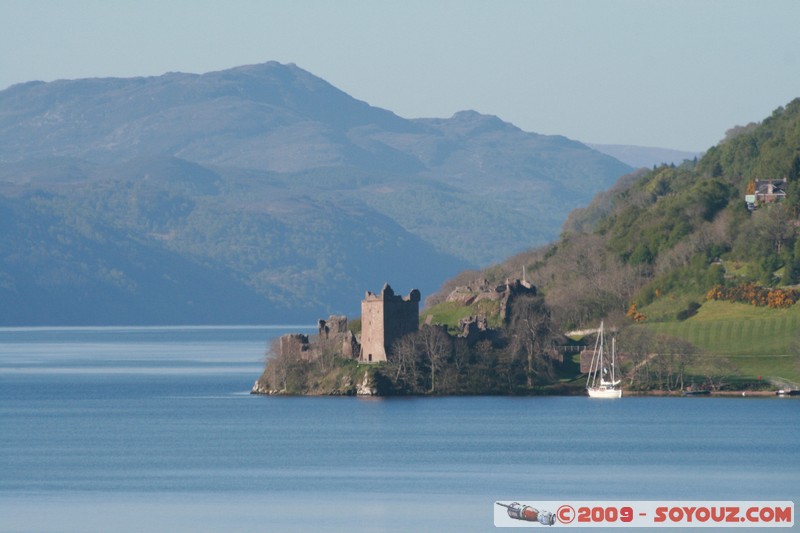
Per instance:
x=756, y=340
x=451, y=312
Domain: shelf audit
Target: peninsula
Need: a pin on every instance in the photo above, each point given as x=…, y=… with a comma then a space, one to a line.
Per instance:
x=390, y=351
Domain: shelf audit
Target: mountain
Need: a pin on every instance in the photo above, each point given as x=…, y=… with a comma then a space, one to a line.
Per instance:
x=645, y=156
x=166, y=241
x=257, y=194
x=271, y=117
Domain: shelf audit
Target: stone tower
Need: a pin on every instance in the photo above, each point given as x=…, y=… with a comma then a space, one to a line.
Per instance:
x=386, y=317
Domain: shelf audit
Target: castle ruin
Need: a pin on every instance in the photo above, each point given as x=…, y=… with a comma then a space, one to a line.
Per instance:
x=335, y=334
x=386, y=317
x=503, y=294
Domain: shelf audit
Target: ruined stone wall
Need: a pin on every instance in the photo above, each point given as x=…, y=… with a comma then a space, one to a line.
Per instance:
x=511, y=290
x=333, y=328
x=482, y=290
x=332, y=336
x=474, y=328
x=295, y=345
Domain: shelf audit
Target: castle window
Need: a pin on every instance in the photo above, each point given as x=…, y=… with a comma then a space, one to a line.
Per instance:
x=370, y=358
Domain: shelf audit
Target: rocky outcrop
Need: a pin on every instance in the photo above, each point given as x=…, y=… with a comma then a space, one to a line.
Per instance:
x=263, y=388
x=366, y=387
x=353, y=381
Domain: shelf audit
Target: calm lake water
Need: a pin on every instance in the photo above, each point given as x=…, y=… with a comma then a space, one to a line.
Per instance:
x=153, y=429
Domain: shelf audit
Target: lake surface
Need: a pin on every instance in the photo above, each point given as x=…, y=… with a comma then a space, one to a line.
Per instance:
x=153, y=429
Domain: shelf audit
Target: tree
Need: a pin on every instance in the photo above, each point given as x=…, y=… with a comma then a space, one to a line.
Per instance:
x=792, y=268
x=327, y=351
x=715, y=370
x=286, y=370
x=636, y=343
x=531, y=334
x=655, y=360
x=710, y=196
x=773, y=224
x=484, y=373
x=584, y=281
x=793, y=189
x=676, y=354
x=403, y=366
x=436, y=347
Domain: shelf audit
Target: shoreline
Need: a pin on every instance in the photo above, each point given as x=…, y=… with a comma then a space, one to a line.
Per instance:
x=724, y=393
x=625, y=394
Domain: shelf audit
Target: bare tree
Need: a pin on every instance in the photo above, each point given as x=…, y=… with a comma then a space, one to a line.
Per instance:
x=436, y=347
x=774, y=224
x=582, y=281
x=655, y=360
x=531, y=332
x=484, y=373
x=636, y=344
x=715, y=370
x=326, y=352
x=276, y=369
x=287, y=369
x=679, y=354
x=402, y=364
x=462, y=363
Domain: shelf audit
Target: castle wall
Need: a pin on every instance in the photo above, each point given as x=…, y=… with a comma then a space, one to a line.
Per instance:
x=334, y=327
x=333, y=335
x=372, y=345
x=295, y=345
x=386, y=317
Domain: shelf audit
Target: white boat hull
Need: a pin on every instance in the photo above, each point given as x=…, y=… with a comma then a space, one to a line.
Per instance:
x=604, y=392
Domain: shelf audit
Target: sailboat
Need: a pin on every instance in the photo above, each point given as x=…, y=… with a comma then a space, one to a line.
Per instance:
x=601, y=381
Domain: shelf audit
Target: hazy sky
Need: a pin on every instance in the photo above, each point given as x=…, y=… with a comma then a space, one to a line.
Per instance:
x=673, y=73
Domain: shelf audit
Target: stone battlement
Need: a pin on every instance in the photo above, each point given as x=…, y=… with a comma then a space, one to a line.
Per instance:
x=387, y=295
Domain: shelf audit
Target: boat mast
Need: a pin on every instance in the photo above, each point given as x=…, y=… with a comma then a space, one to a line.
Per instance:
x=613, y=360
x=596, y=365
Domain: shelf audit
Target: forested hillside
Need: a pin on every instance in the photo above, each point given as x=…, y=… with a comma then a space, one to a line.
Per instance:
x=257, y=194
x=675, y=231
x=675, y=250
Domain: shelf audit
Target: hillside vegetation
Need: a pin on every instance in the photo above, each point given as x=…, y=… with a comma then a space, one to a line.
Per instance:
x=672, y=249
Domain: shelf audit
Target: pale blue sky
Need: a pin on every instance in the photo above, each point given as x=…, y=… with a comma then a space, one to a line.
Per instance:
x=673, y=74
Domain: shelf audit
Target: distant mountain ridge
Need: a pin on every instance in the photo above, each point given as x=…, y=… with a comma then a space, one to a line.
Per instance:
x=266, y=178
x=204, y=118
x=645, y=156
